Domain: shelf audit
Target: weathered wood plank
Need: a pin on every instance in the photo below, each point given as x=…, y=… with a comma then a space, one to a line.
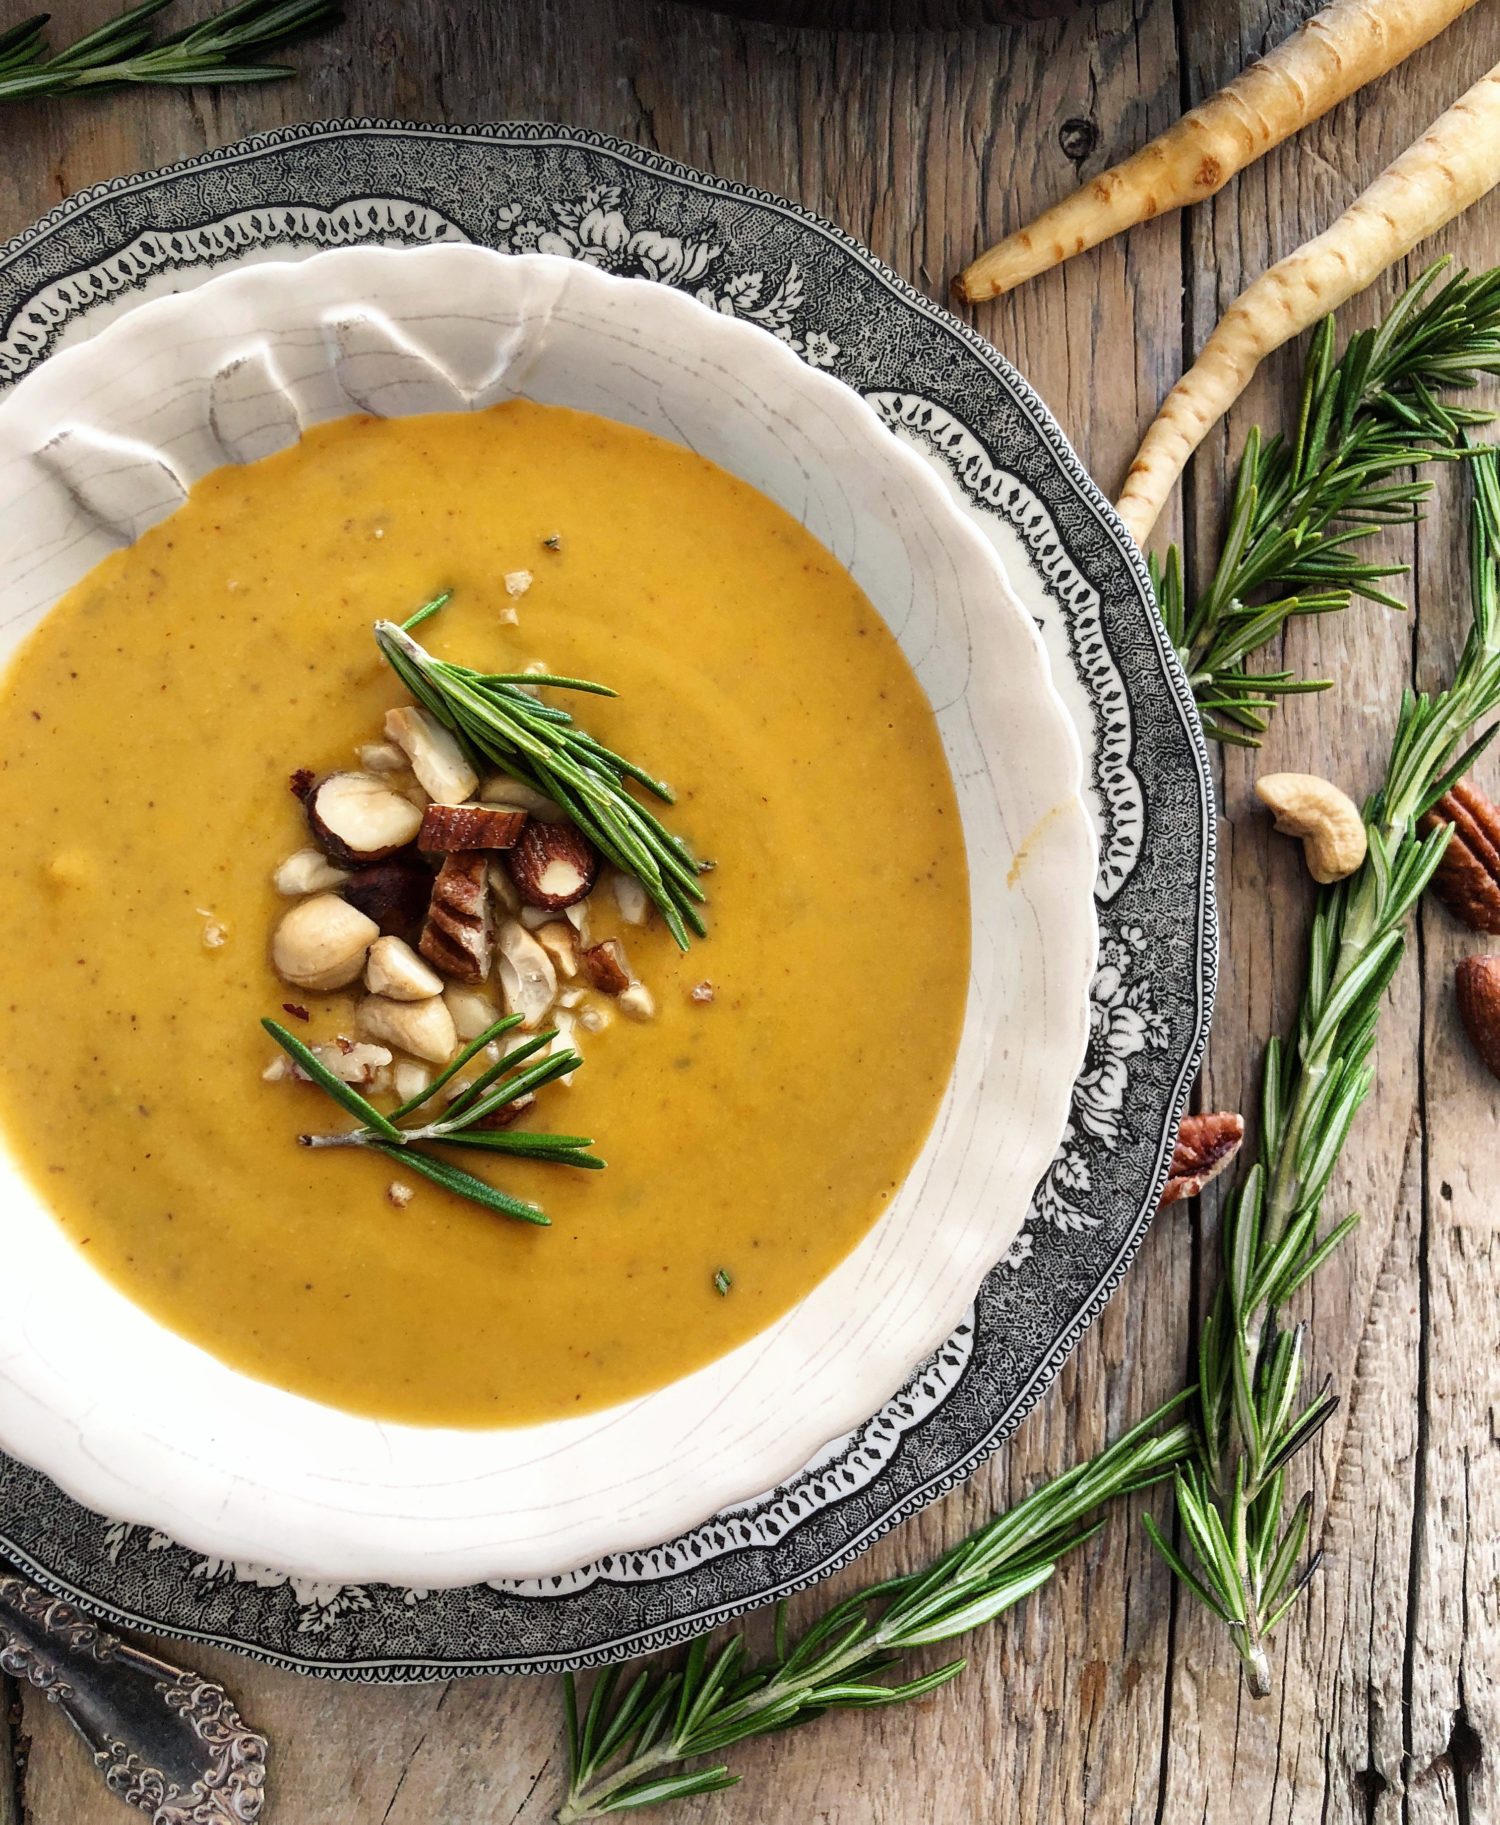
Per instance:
x=925, y=147
x=10, y=1772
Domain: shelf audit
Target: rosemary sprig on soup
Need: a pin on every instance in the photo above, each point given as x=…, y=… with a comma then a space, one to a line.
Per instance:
x=462, y=878
x=496, y=717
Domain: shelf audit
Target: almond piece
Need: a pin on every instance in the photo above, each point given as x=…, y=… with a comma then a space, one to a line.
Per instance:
x=435, y=756
x=552, y=865
x=394, y=894
x=322, y=943
x=449, y=827
x=606, y=967
x=1205, y=1146
x=527, y=978
x=458, y=936
x=638, y=1002
x=357, y=818
x=1477, y=980
x=423, y=1028
x=381, y=757
x=502, y=887
x=560, y=942
x=630, y=896
x=394, y=969
x=307, y=871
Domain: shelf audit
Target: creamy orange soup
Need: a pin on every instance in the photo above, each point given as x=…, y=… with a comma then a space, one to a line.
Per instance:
x=147, y=731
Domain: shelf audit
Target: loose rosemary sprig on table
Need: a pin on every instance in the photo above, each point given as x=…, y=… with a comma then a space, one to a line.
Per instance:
x=1251, y=1415
x=628, y=1744
x=495, y=715
x=1302, y=506
x=126, y=50
x=517, y=1072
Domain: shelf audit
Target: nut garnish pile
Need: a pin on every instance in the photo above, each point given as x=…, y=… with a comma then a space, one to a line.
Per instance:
x=457, y=907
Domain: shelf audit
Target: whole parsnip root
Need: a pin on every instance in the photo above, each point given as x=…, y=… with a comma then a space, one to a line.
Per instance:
x=1453, y=164
x=1335, y=53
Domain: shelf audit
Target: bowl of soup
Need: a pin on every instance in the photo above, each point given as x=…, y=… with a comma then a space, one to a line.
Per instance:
x=822, y=1096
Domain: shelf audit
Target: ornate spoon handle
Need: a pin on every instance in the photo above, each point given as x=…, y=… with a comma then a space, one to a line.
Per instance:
x=168, y=1742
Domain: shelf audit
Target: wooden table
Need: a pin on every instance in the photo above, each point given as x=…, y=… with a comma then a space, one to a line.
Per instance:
x=1108, y=1698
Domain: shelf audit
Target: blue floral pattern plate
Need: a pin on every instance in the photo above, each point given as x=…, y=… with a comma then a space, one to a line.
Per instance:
x=940, y=386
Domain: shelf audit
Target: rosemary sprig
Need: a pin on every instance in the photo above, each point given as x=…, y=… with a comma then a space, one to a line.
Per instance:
x=1252, y=1417
x=1302, y=506
x=126, y=50
x=517, y=1072
x=498, y=719
x=627, y=1745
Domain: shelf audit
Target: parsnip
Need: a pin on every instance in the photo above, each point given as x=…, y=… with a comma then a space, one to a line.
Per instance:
x=1335, y=53
x=1453, y=164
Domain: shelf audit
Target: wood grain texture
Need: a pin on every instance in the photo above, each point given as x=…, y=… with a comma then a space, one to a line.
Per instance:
x=1107, y=1699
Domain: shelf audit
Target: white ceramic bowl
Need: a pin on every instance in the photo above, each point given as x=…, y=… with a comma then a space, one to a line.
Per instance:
x=102, y=442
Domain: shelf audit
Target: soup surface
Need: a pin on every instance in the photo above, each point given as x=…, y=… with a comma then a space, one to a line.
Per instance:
x=147, y=730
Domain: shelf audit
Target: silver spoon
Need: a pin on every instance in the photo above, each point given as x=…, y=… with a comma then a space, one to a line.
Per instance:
x=168, y=1742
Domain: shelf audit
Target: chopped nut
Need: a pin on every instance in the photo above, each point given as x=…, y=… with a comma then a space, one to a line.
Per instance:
x=398, y=1194
x=566, y=1041
x=593, y=1018
x=472, y=1012
x=434, y=753
x=571, y=998
x=1468, y=877
x=501, y=789
x=410, y=1080
x=215, y=932
x=1477, y=980
x=307, y=871
x=508, y=1114
x=637, y=1001
x=279, y=1067
x=535, y=917
x=381, y=757
x=301, y=782
x=458, y=936
x=552, y=865
x=322, y=943
x=517, y=582
x=394, y=894
x=560, y=942
x=1327, y=820
x=503, y=888
x=358, y=818
x=606, y=967
x=296, y=1010
x=630, y=896
x=353, y=1064
x=423, y=1028
x=449, y=827
x=1205, y=1146
x=394, y=969
x=527, y=978
x=701, y=992
x=577, y=915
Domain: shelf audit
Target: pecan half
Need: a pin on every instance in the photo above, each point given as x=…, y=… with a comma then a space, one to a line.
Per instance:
x=1477, y=980
x=458, y=937
x=1468, y=877
x=449, y=827
x=1205, y=1146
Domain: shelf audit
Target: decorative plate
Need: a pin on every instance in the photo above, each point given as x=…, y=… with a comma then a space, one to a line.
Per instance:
x=940, y=386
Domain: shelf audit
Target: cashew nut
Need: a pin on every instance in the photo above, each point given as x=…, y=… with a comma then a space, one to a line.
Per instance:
x=307, y=871
x=434, y=753
x=527, y=977
x=322, y=943
x=423, y=1028
x=394, y=969
x=1327, y=820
